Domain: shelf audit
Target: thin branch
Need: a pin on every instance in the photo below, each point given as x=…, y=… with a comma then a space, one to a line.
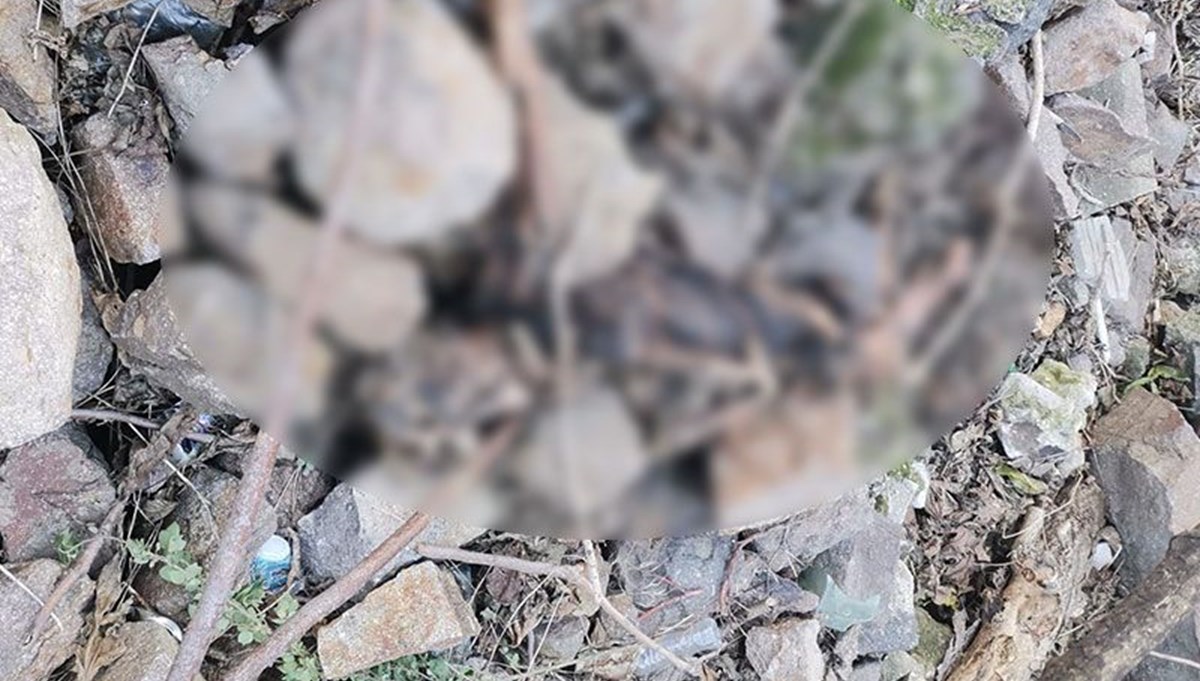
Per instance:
x=525, y=567
x=131, y=419
x=227, y=564
x=133, y=60
x=592, y=561
x=1139, y=623
x=1038, y=102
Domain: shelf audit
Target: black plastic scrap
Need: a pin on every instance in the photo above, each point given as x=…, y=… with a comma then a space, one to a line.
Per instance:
x=174, y=18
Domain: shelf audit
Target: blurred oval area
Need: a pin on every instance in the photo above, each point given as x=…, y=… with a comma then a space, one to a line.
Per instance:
x=614, y=268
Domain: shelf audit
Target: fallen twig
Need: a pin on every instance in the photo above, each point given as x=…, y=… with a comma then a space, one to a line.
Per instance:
x=1051, y=559
x=133, y=420
x=227, y=564
x=1038, y=103
x=1125, y=635
x=137, y=51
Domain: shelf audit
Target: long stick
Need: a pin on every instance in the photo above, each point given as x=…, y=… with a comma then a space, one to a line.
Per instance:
x=228, y=561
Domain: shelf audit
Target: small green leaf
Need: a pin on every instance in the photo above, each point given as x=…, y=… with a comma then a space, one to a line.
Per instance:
x=138, y=552
x=1025, y=484
x=171, y=541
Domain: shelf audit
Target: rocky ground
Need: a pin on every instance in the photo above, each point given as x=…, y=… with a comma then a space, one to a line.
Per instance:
x=1059, y=495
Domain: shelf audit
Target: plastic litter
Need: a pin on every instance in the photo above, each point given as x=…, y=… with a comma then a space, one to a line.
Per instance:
x=272, y=563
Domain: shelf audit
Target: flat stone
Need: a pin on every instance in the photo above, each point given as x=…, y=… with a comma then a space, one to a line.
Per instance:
x=422, y=609
x=868, y=567
x=27, y=80
x=1009, y=75
x=1087, y=46
x=786, y=651
x=150, y=342
x=17, y=610
x=1182, y=260
x=1099, y=257
x=803, y=537
x=75, y=12
x=95, y=351
x=377, y=298
x=124, y=177
x=1094, y=134
x=351, y=523
x=1042, y=416
x=48, y=488
x=244, y=124
x=1134, y=176
x=149, y=649
x=1052, y=154
x=39, y=294
x=655, y=572
x=1170, y=135
x=561, y=639
x=1142, y=258
x=186, y=76
x=1147, y=459
x=457, y=147
x=203, y=512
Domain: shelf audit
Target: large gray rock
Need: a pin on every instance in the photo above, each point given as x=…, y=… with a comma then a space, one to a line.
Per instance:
x=148, y=650
x=1147, y=458
x=19, y=660
x=27, y=90
x=1052, y=154
x=1096, y=134
x=186, y=76
x=39, y=294
x=456, y=147
x=125, y=176
x=786, y=651
x=422, y=609
x=48, y=488
x=351, y=523
x=1087, y=46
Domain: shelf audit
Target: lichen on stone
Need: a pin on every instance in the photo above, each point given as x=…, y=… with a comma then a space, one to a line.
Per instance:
x=1008, y=11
